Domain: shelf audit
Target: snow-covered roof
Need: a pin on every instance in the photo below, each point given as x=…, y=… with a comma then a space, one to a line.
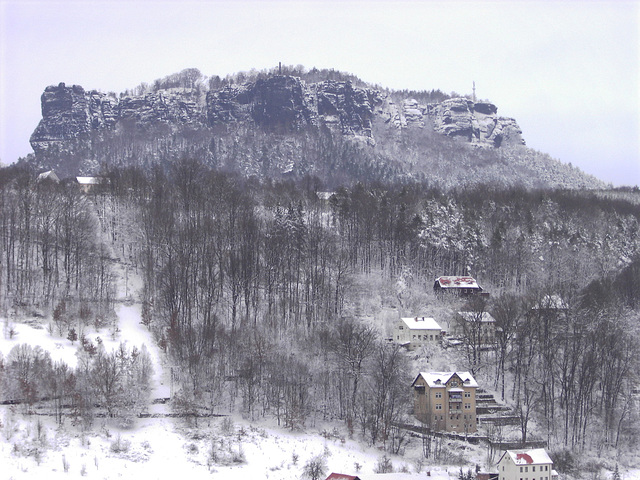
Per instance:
x=89, y=180
x=551, y=302
x=324, y=195
x=533, y=456
x=48, y=175
x=421, y=323
x=473, y=317
x=439, y=379
x=457, y=282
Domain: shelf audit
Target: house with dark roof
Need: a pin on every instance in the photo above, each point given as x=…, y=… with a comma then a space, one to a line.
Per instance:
x=457, y=285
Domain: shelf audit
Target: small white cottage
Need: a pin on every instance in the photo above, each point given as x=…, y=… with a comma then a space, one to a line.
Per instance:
x=414, y=332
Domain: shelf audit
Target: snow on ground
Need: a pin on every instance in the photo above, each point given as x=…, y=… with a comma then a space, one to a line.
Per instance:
x=131, y=332
x=160, y=448
x=165, y=448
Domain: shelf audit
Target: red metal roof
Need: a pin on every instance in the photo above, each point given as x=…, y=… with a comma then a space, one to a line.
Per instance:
x=524, y=456
x=341, y=476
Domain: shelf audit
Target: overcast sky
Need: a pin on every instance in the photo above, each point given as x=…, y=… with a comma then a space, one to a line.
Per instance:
x=567, y=71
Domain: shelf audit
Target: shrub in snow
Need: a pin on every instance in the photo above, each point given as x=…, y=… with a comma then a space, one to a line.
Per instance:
x=384, y=465
x=120, y=445
x=315, y=468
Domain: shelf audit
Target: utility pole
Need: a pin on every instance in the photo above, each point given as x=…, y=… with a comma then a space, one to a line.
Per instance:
x=279, y=68
x=474, y=91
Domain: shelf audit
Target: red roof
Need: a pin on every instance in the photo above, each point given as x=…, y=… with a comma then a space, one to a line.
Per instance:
x=524, y=456
x=341, y=476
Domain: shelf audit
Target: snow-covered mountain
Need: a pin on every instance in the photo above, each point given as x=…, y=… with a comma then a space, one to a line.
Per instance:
x=323, y=124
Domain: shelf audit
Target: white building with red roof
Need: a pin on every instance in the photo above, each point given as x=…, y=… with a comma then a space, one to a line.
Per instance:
x=532, y=464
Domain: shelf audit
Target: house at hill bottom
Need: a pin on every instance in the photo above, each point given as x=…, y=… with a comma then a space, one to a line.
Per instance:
x=532, y=464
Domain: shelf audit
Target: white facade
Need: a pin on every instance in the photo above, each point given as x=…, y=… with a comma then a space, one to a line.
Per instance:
x=480, y=326
x=533, y=464
x=414, y=332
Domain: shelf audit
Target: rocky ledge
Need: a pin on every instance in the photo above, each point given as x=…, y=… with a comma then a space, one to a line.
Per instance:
x=71, y=116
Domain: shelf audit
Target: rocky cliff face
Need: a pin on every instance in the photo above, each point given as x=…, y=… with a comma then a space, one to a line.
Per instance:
x=476, y=122
x=71, y=116
x=280, y=126
x=70, y=113
x=287, y=104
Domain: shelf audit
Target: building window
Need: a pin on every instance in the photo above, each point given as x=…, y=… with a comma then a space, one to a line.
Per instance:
x=534, y=468
x=467, y=394
x=438, y=406
x=414, y=337
x=398, y=337
x=521, y=470
x=438, y=394
x=526, y=469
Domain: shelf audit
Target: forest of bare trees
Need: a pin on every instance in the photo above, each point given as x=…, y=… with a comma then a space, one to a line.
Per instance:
x=249, y=290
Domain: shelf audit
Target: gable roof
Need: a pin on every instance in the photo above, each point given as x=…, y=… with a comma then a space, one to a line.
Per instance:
x=551, y=302
x=532, y=456
x=439, y=379
x=457, y=282
x=421, y=323
x=341, y=476
x=49, y=175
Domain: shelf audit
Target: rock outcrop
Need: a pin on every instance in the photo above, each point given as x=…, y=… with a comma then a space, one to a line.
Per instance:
x=70, y=113
x=478, y=123
x=230, y=126
x=281, y=104
x=287, y=104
